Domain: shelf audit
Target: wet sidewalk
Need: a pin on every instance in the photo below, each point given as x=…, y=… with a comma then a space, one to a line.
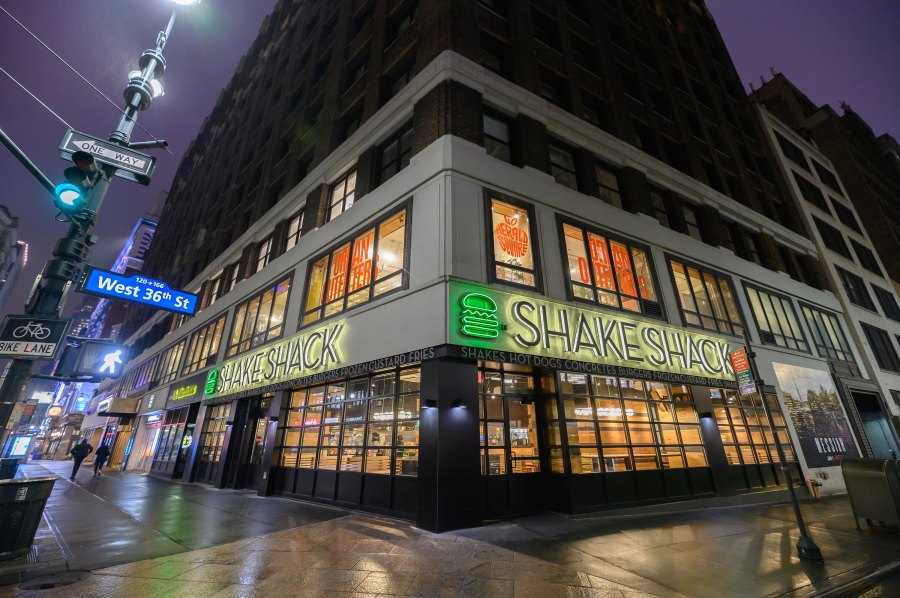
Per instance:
x=730, y=551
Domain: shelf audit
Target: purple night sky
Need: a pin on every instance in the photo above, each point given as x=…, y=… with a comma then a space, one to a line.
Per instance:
x=832, y=49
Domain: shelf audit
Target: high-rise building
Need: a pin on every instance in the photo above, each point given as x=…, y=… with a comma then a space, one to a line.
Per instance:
x=13, y=255
x=870, y=380
x=464, y=259
x=868, y=165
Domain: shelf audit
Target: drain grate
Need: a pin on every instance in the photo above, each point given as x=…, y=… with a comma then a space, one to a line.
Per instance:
x=57, y=580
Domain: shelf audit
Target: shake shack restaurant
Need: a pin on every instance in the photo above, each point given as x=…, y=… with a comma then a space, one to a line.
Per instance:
x=522, y=405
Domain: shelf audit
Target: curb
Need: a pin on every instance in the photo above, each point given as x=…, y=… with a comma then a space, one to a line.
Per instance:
x=852, y=587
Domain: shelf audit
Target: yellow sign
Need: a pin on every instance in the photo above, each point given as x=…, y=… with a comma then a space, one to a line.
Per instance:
x=303, y=354
x=184, y=392
x=491, y=321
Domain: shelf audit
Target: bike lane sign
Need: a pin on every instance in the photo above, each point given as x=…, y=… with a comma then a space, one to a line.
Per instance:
x=32, y=337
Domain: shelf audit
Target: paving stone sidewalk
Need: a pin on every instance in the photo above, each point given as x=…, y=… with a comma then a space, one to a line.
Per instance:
x=714, y=552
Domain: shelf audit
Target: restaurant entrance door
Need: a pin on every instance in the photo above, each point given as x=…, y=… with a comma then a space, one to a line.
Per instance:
x=511, y=465
x=253, y=443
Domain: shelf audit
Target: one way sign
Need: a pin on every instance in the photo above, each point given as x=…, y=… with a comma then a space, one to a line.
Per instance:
x=129, y=164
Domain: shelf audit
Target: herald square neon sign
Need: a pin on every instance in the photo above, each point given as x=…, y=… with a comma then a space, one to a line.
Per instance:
x=496, y=320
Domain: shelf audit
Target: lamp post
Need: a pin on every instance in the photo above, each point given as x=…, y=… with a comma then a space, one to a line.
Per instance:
x=53, y=284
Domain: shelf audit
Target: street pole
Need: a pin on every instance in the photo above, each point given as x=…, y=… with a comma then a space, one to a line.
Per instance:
x=806, y=547
x=53, y=284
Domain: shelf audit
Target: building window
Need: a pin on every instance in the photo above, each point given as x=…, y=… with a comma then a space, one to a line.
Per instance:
x=855, y=289
x=745, y=430
x=511, y=248
x=394, y=154
x=341, y=195
x=792, y=152
x=368, y=425
x=659, y=207
x=233, y=276
x=888, y=303
x=496, y=136
x=827, y=334
x=506, y=396
x=827, y=177
x=260, y=319
x=776, y=320
x=845, y=215
x=609, y=272
x=832, y=238
x=810, y=192
x=263, y=253
x=562, y=165
x=203, y=346
x=882, y=348
x=369, y=266
x=706, y=299
x=145, y=373
x=213, y=290
x=621, y=424
x=168, y=363
x=402, y=23
x=295, y=229
x=691, y=223
x=608, y=183
x=752, y=248
x=866, y=258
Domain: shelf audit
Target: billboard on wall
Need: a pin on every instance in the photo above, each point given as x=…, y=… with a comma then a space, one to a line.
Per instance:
x=815, y=410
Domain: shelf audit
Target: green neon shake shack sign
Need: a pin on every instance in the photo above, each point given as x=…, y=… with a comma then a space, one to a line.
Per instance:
x=498, y=321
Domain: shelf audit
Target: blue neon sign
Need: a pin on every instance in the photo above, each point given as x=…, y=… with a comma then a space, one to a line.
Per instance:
x=137, y=288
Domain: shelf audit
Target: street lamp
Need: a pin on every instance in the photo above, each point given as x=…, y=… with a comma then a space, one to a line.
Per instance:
x=79, y=200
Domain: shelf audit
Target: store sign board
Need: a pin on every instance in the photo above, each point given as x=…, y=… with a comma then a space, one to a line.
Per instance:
x=304, y=354
x=743, y=373
x=499, y=321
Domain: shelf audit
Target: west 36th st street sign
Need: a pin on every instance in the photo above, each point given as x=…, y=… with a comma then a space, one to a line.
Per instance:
x=129, y=164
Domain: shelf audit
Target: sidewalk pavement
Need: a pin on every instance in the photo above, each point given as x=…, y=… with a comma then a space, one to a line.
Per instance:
x=730, y=551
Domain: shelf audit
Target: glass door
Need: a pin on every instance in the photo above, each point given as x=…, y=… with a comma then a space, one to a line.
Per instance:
x=506, y=403
x=209, y=464
x=254, y=444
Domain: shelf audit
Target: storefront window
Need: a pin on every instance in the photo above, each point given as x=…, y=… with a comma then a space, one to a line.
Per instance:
x=623, y=424
x=259, y=319
x=368, y=424
x=706, y=300
x=509, y=442
x=609, y=272
x=212, y=438
x=168, y=363
x=745, y=429
x=203, y=346
x=512, y=245
x=170, y=438
x=371, y=265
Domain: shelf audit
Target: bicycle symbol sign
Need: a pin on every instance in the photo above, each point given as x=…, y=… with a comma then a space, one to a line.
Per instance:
x=32, y=337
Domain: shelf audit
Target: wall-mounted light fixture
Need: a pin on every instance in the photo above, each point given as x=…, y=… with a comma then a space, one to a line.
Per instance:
x=458, y=403
x=430, y=403
x=706, y=414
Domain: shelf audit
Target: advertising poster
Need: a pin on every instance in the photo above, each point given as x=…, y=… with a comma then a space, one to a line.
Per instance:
x=815, y=409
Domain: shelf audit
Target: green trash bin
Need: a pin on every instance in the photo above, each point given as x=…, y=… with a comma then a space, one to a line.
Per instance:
x=22, y=502
x=8, y=467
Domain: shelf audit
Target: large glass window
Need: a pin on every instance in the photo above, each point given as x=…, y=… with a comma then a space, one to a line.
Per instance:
x=496, y=136
x=832, y=238
x=341, y=195
x=706, y=299
x=746, y=434
x=507, y=420
x=828, y=336
x=888, y=303
x=792, y=152
x=866, y=258
x=882, y=347
x=512, y=244
x=856, y=289
x=845, y=215
x=203, y=346
x=611, y=424
x=826, y=176
x=609, y=272
x=776, y=320
x=295, y=229
x=562, y=164
x=368, y=266
x=810, y=192
x=608, y=184
x=259, y=319
x=368, y=424
x=395, y=153
x=168, y=363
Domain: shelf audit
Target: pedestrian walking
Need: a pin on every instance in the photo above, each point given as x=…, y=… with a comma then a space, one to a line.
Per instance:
x=100, y=458
x=79, y=453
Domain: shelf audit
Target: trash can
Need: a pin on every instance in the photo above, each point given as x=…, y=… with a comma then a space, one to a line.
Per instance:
x=8, y=467
x=21, y=505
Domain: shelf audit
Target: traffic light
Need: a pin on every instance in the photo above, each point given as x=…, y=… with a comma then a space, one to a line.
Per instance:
x=71, y=196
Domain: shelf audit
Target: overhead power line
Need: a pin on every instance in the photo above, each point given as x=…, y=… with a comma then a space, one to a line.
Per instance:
x=37, y=99
x=74, y=70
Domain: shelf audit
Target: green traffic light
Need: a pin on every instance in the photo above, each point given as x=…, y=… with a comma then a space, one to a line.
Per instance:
x=68, y=197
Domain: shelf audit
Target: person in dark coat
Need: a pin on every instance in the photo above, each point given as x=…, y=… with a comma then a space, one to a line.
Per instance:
x=100, y=458
x=79, y=453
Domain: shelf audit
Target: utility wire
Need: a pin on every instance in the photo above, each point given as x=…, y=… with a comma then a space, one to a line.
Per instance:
x=37, y=99
x=74, y=70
